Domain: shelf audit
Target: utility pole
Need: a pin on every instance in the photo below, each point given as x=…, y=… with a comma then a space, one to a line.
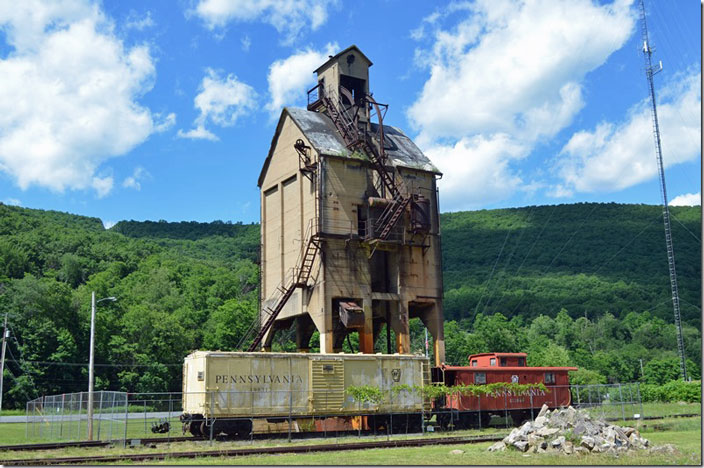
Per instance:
x=5, y=335
x=649, y=72
x=91, y=367
x=91, y=373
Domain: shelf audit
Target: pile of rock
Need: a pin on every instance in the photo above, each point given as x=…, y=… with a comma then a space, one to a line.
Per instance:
x=570, y=431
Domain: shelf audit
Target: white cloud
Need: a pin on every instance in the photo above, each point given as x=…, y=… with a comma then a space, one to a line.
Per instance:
x=289, y=17
x=163, y=124
x=615, y=156
x=135, y=180
x=289, y=78
x=69, y=94
x=246, y=43
x=687, y=199
x=102, y=185
x=12, y=201
x=477, y=170
x=221, y=101
x=509, y=68
x=140, y=23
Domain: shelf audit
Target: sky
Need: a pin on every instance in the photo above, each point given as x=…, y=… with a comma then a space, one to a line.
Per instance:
x=165, y=109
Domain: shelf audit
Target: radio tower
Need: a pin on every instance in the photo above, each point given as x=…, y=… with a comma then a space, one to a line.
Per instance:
x=649, y=72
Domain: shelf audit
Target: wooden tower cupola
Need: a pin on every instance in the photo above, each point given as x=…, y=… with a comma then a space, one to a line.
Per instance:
x=348, y=70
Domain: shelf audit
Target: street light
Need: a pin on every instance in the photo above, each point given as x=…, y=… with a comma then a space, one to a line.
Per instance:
x=91, y=371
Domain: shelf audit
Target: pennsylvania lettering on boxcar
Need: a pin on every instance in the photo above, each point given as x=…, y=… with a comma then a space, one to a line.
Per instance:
x=258, y=379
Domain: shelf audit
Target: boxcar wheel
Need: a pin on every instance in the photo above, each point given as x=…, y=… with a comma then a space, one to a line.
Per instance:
x=485, y=419
x=244, y=429
x=194, y=428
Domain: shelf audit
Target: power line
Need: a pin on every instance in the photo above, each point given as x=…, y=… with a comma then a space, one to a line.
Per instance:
x=85, y=364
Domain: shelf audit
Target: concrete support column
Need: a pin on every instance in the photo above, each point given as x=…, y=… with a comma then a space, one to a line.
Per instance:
x=399, y=324
x=304, y=331
x=366, y=334
x=432, y=318
x=323, y=322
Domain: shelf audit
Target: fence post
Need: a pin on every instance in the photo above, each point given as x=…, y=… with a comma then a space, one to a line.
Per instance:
x=171, y=407
x=532, y=412
x=505, y=408
x=145, y=417
x=61, y=424
x=577, y=389
x=620, y=397
x=640, y=400
x=80, y=408
x=212, y=422
x=127, y=405
x=100, y=412
x=479, y=410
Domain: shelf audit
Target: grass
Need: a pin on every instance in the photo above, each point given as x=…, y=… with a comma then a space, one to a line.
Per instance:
x=685, y=434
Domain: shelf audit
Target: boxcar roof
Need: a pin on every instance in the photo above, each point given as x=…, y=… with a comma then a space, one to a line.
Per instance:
x=203, y=353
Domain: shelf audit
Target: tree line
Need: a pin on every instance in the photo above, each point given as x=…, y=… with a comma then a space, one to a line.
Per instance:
x=582, y=285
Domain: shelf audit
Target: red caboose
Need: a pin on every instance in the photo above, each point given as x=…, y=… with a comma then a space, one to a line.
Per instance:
x=489, y=368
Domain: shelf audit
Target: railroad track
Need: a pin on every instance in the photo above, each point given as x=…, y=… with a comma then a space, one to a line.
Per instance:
x=255, y=451
x=164, y=440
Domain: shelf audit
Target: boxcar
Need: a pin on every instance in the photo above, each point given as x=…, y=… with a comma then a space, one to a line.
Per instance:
x=487, y=368
x=224, y=391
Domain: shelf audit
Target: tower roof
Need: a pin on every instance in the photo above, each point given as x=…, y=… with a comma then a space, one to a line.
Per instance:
x=325, y=139
x=339, y=54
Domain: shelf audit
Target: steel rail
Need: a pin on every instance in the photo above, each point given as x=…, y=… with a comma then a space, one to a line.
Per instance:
x=255, y=451
x=259, y=436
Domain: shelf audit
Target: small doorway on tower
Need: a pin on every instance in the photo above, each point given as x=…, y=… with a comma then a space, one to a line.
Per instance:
x=356, y=86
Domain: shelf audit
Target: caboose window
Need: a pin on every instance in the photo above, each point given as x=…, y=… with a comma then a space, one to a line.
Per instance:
x=502, y=362
x=549, y=378
x=474, y=363
x=521, y=362
x=492, y=361
x=479, y=378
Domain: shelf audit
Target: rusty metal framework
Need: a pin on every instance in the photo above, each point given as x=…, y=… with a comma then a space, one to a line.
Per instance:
x=358, y=137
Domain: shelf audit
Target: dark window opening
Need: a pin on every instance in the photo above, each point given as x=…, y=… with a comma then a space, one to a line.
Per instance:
x=502, y=362
x=353, y=85
x=479, y=377
x=549, y=378
x=380, y=272
x=361, y=221
x=521, y=362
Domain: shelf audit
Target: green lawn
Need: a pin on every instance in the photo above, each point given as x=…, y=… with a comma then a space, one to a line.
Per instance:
x=685, y=434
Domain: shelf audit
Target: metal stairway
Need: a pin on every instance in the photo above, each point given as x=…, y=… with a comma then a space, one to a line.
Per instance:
x=295, y=278
x=363, y=141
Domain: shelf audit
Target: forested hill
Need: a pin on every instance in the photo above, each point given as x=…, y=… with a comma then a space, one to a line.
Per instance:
x=582, y=284
x=587, y=258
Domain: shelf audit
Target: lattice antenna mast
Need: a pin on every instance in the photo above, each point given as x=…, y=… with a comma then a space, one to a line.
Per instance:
x=649, y=72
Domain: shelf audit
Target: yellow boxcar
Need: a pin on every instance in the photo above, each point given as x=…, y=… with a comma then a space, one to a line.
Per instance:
x=238, y=386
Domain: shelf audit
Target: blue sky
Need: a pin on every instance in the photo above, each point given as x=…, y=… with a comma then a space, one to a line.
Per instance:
x=166, y=109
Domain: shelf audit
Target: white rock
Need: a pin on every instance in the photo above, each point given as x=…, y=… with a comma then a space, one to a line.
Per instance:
x=456, y=452
x=547, y=431
x=558, y=442
x=587, y=442
x=500, y=446
x=521, y=445
x=543, y=410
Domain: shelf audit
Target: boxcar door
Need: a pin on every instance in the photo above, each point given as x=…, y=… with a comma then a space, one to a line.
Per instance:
x=328, y=382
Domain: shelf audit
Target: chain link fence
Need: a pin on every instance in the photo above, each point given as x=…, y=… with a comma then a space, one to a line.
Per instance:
x=131, y=417
x=65, y=416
